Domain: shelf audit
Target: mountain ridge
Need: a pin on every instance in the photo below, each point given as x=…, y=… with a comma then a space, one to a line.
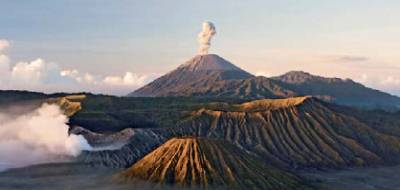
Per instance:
x=212, y=76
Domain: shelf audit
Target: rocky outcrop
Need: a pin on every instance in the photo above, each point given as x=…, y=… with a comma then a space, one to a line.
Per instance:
x=69, y=104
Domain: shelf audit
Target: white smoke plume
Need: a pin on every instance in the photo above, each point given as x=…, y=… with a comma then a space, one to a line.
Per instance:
x=38, y=136
x=205, y=36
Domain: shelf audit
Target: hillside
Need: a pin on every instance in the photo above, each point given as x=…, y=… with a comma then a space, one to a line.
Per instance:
x=192, y=162
x=298, y=132
x=294, y=133
x=13, y=96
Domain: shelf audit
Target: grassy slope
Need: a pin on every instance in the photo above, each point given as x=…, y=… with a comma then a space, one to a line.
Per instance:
x=108, y=113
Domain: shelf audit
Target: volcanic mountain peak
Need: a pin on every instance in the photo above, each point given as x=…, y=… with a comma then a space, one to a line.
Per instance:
x=193, y=77
x=208, y=62
x=202, y=162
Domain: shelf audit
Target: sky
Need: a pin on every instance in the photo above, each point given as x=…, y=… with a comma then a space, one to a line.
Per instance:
x=114, y=47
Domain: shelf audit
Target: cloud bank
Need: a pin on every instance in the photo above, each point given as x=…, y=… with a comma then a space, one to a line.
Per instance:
x=40, y=75
x=38, y=136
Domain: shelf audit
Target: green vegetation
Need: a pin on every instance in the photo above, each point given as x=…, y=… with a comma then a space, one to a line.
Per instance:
x=109, y=113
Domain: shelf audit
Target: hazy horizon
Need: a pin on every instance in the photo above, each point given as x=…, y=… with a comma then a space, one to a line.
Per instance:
x=116, y=47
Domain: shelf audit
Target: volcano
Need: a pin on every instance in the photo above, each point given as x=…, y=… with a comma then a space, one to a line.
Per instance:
x=193, y=77
x=203, y=163
x=212, y=76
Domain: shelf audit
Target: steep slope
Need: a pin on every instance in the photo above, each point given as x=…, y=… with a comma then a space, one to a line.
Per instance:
x=294, y=133
x=202, y=163
x=250, y=88
x=383, y=121
x=199, y=72
x=346, y=92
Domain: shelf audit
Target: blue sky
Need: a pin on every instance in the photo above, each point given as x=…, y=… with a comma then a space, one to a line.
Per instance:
x=349, y=39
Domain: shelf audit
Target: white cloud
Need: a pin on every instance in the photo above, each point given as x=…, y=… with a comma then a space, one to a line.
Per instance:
x=89, y=78
x=4, y=62
x=78, y=77
x=387, y=83
x=70, y=73
x=4, y=65
x=129, y=79
x=40, y=75
x=33, y=72
x=391, y=81
x=112, y=84
x=4, y=44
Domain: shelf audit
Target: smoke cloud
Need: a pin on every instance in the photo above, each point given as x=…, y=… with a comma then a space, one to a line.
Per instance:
x=38, y=136
x=205, y=36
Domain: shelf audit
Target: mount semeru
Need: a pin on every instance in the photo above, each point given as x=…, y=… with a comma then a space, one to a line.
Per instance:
x=212, y=76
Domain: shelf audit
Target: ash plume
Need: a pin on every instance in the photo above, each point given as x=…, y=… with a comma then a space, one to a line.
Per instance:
x=205, y=36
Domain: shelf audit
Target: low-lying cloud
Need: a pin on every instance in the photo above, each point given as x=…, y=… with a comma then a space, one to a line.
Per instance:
x=37, y=136
x=40, y=75
x=347, y=58
x=4, y=44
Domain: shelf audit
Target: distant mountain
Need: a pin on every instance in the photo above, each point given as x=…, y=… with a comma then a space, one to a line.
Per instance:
x=193, y=77
x=204, y=163
x=337, y=90
x=213, y=76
